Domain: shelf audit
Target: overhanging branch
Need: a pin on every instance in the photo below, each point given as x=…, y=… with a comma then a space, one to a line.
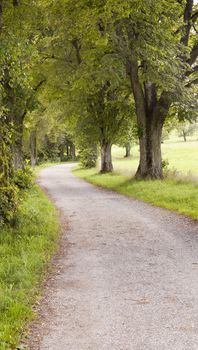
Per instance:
x=193, y=55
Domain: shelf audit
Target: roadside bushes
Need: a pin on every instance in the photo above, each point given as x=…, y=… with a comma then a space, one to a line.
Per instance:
x=88, y=156
x=9, y=194
x=11, y=180
x=24, y=178
x=8, y=203
x=8, y=189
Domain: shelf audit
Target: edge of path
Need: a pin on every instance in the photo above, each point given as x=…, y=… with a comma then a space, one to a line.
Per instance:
x=33, y=335
x=101, y=186
x=35, y=330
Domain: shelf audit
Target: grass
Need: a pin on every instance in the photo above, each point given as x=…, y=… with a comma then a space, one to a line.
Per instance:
x=178, y=194
x=182, y=156
x=173, y=194
x=24, y=254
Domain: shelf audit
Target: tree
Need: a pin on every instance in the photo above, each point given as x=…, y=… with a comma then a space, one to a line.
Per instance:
x=96, y=95
x=18, y=58
x=185, y=129
x=157, y=43
x=128, y=135
x=152, y=43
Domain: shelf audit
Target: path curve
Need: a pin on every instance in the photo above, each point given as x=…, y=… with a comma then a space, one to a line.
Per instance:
x=129, y=278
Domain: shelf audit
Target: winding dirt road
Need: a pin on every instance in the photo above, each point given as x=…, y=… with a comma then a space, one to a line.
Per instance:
x=128, y=275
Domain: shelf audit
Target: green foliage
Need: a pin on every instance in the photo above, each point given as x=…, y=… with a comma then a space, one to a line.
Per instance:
x=25, y=251
x=8, y=203
x=88, y=156
x=23, y=178
x=66, y=69
x=165, y=166
x=8, y=189
x=50, y=148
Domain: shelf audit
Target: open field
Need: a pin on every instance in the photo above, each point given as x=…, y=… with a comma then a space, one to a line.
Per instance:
x=182, y=156
x=24, y=251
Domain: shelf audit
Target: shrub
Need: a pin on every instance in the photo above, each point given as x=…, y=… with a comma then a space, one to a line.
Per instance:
x=23, y=178
x=8, y=189
x=165, y=166
x=88, y=156
x=8, y=203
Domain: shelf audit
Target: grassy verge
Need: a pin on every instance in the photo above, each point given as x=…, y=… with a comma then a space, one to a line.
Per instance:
x=24, y=254
x=176, y=195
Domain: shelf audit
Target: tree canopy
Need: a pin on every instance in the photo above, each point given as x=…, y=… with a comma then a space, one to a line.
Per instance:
x=91, y=74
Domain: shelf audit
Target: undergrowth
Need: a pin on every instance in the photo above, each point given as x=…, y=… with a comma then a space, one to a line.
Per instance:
x=25, y=251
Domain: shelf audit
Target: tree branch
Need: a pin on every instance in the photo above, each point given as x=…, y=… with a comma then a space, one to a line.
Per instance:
x=192, y=82
x=193, y=55
x=77, y=47
x=194, y=16
x=187, y=22
x=191, y=71
x=39, y=84
x=132, y=68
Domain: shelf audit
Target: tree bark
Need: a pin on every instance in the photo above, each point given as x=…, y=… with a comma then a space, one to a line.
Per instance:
x=33, y=148
x=184, y=136
x=61, y=153
x=151, y=113
x=16, y=119
x=67, y=149
x=128, y=150
x=150, y=164
x=106, y=158
x=152, y=110
x=73, y=152
x=17, y=145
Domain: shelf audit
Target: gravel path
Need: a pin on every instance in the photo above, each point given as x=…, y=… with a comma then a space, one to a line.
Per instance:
x=127, y=278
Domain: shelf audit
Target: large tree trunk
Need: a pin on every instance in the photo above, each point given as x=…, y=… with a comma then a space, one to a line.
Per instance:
x=106, y=158
x=150, y=164
x=128, y=150
x=151, y=113
x=33, y=148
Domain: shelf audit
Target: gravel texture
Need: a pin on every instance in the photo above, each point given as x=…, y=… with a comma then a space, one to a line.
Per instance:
x=126, y=277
